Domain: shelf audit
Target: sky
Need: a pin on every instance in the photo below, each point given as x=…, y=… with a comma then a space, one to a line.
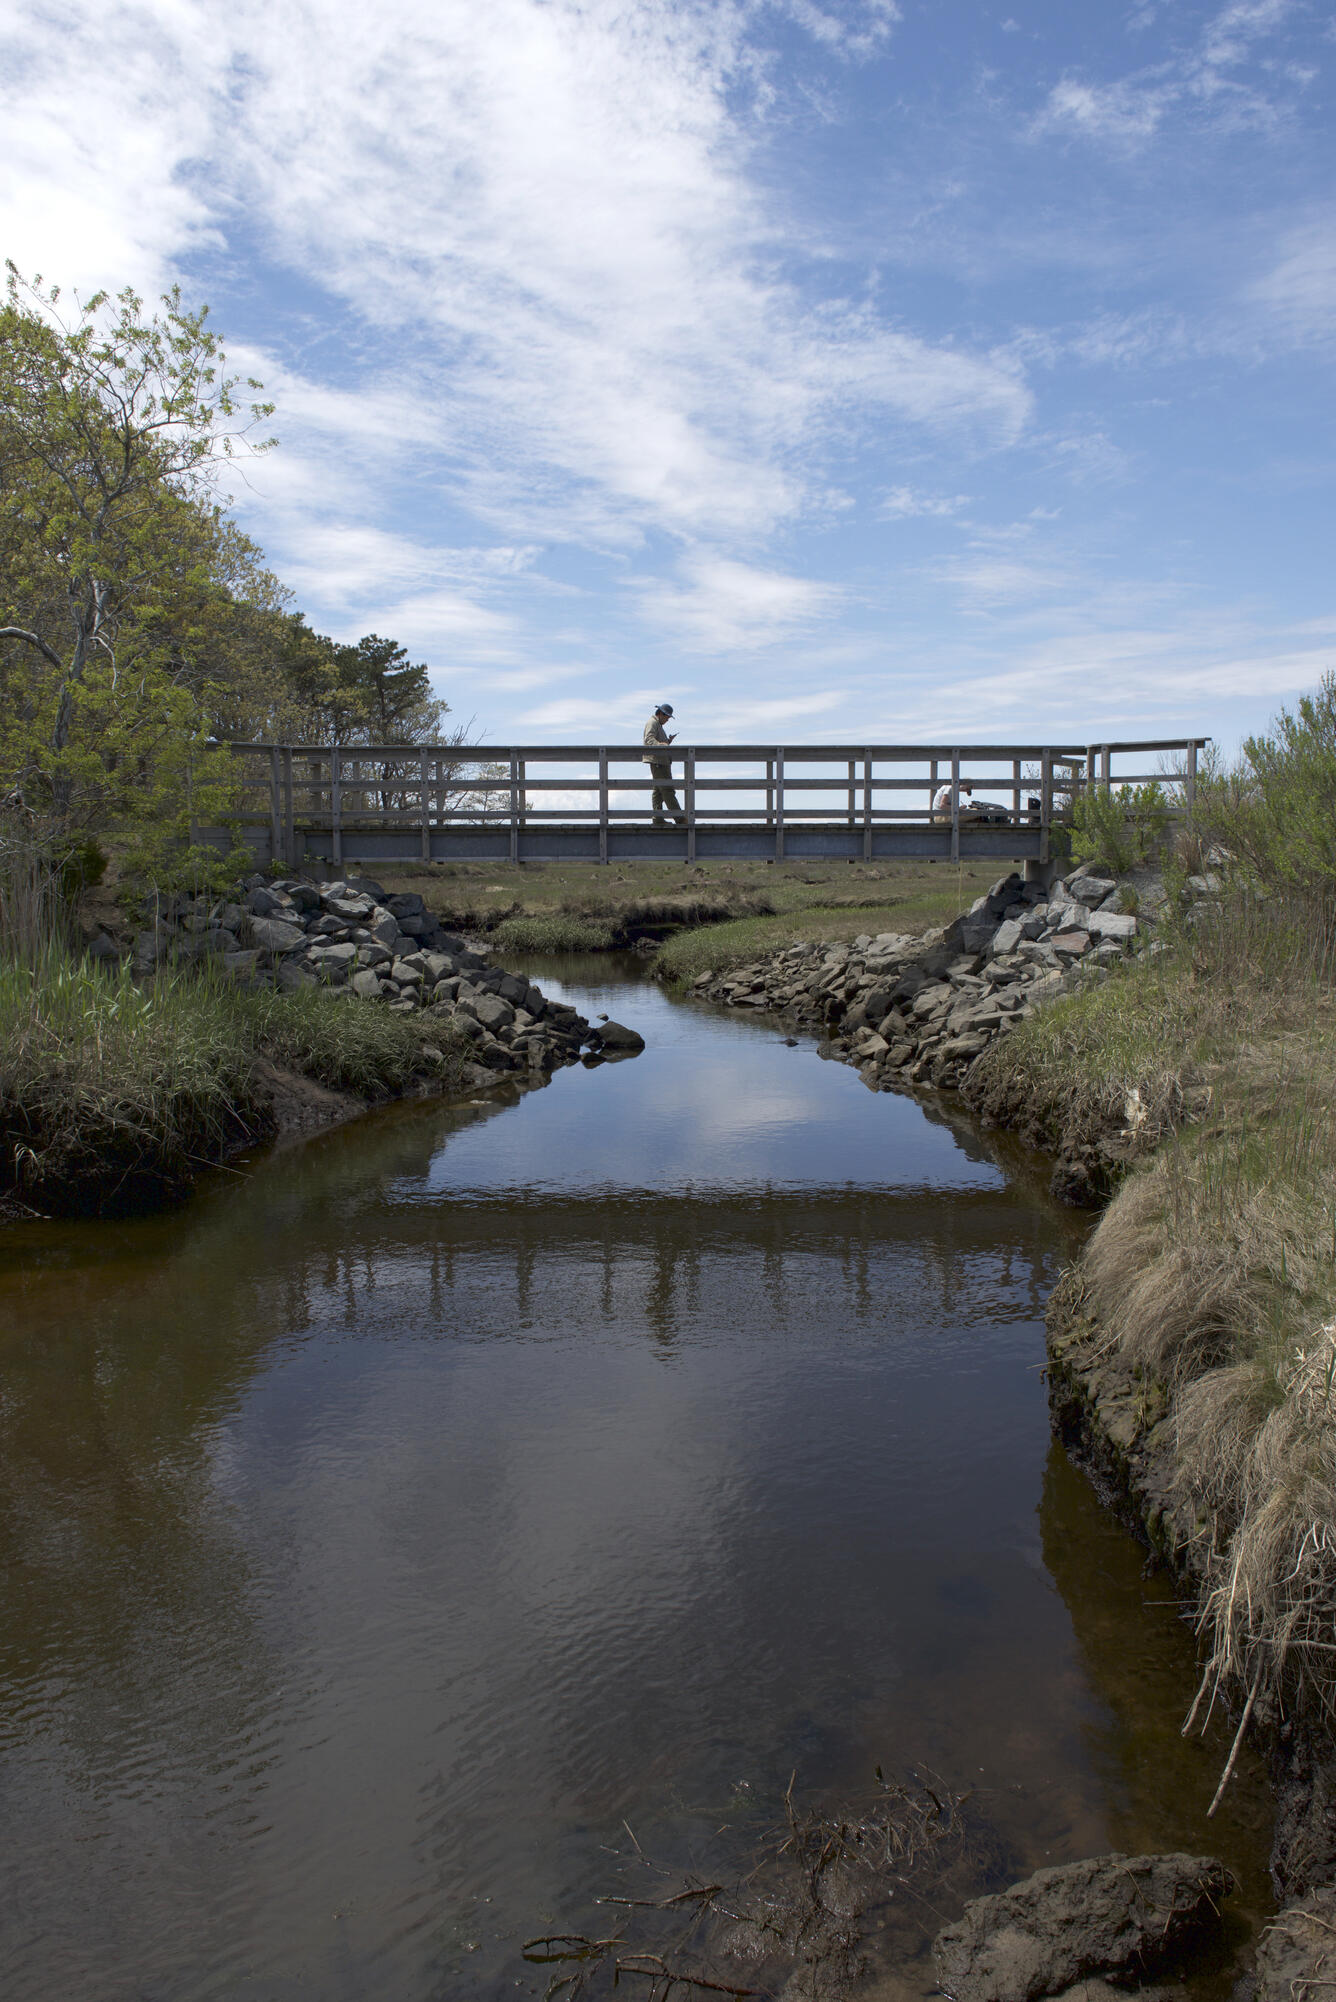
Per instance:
x=833, y=369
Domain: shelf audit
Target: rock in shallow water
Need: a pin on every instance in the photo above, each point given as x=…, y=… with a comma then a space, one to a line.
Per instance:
x=610, y=1036
x=1106, y=1915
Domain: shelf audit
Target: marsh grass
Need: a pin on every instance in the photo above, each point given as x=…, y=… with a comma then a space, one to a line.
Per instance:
x=112, y=1094
x=556, y=932
x=734, y=943
x=1213, y=1270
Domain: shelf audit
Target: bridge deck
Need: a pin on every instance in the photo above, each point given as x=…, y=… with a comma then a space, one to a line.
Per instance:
x=742, y=841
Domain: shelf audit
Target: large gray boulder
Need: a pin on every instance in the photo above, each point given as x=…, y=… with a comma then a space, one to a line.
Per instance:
x=494, y=1013
x=609, y=1036
x=350, y=905
x=276, y=935
x=265, y=902
x=1123, y=1916
x=1091, y=890
x=1112, y=924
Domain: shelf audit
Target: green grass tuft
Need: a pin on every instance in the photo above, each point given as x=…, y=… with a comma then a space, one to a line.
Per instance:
x=554, y=932
x=113, y=1096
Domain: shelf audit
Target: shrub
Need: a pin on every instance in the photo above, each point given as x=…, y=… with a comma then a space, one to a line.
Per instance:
x=1275, y=812
x=1125, y=827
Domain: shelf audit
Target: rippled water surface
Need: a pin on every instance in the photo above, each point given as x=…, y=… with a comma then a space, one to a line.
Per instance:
x=392, y=1530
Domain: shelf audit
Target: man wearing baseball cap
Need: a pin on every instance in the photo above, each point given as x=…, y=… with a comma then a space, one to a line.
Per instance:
x=661, y=768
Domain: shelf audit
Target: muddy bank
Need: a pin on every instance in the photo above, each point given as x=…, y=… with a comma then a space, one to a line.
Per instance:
x=1119, y=1427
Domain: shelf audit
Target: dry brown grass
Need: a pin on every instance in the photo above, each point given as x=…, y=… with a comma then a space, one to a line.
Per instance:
x=1213, y=1273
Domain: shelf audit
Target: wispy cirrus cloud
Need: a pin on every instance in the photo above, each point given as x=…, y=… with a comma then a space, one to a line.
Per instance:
x=1298, y=294
x=903, y=502
x=1207, y=80
x=722, y=606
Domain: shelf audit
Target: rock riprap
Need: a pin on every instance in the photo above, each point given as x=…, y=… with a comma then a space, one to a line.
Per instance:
x=907, y=1010
x=353, y=936
x=1127, y=1917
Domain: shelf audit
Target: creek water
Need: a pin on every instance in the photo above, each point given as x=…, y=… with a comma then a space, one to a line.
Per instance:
x=429, y=1519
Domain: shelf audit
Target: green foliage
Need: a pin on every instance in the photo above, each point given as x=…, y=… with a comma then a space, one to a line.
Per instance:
x=111, y=544
x=1275, y=812
x=366, y=693
x=82, y=867
x=1124, y=827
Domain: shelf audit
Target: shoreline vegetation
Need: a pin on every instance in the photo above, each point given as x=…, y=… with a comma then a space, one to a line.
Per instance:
x=115, y=1096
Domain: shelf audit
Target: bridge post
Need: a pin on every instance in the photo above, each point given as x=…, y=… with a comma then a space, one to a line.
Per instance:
x=426, y=807
x=1045, y=804
x=514, y=808
x=769, y=792
x=275, y=823
x=867, y=806
x=932, y=789
x=955, y=806
x=689, y=790
x=779, y=806
x=603, y=803
x=853, y=799
x=335, y=806
x=289, y=812
x=1090, y=770
x=1016, y=790
x=1190, y=783
x=1105, y=769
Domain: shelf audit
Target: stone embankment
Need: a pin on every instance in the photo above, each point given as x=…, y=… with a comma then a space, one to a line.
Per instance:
x=920, y=1011
x=353, y=936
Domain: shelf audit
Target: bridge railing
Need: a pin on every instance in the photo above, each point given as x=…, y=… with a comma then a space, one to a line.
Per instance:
x=334, y=790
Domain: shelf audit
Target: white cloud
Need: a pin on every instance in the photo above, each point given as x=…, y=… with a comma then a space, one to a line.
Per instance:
x=986, y=580
x=726, y=607
x=1299, y=293
x=901, y=502
x=540, y=216
x=1204, y=80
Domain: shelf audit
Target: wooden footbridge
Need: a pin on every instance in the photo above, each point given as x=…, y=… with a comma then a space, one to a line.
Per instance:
x=374, y=804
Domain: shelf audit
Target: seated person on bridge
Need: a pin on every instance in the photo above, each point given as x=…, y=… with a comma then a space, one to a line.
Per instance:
x=941, y=805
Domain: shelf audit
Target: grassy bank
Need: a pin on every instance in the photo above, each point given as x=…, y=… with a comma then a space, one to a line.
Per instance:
x=580, y=907
x=1203, y=1080
x=919, y=899
x=112, y=1096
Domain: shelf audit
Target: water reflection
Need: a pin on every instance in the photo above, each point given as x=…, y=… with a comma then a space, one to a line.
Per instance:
x=387, y=1528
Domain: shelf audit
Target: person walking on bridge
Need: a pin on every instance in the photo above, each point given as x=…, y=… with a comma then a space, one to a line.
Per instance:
x=661, y=768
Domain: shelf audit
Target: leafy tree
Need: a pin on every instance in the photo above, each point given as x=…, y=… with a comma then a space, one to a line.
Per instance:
x=395, y=693
x=114, y=558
